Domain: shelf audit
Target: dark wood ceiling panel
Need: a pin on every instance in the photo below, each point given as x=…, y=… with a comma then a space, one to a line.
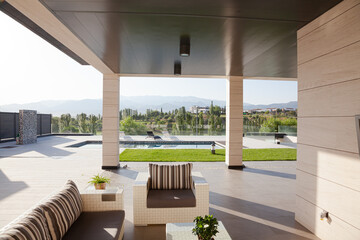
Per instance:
x=272, y=63
x=249, y=37
x=294, y=10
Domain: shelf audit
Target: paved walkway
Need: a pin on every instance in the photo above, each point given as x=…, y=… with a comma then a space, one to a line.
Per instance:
x=257, y=203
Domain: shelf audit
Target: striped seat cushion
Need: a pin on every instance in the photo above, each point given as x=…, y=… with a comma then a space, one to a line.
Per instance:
x=31, y=226
x=62, y=210
x=170, y=177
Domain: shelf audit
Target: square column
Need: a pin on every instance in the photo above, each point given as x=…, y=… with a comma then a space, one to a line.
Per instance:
x=234, y=122
x=27, y=126
x=110, y=128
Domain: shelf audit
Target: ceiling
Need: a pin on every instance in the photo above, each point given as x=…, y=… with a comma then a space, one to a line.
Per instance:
x=253, y=38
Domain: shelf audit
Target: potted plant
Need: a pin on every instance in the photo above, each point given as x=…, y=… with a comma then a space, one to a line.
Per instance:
x=205, y=227
x=99, y=181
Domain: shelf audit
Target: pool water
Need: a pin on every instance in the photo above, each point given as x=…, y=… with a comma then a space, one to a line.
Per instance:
x=155, y=146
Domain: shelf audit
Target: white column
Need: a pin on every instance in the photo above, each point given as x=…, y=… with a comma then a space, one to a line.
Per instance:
x=110, y=128
x=234, y=122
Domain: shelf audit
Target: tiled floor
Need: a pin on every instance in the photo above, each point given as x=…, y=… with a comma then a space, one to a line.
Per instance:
x=257, y=203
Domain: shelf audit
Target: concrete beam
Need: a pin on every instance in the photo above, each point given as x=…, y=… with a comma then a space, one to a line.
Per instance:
x=40, y=15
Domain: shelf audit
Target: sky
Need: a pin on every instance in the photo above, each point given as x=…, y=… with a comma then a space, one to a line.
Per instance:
x=32, y=70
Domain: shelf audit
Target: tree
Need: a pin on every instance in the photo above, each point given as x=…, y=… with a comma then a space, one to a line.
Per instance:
x=193, y=124
x=83, y=126
x=183, y=110
x=188, y=118
x=201, y=120
x=130, y=127
x=218, y=123
x=212, y=124
x=55, y=124
x=217, y=110
x=289, y=122
x=211, y=108
x=65, y=120
x=271, y=125
x=68, y=124
x=180, y=119
x=174, y=130
x=93, y=123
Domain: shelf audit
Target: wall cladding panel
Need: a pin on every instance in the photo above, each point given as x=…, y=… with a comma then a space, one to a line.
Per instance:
x=332, y=165
x=334, y=198
x=336, y=67
x=333, y=100
x=338, y=33
x=328, y=163
x=329, y=132
x=308, y=215
x=325, y=18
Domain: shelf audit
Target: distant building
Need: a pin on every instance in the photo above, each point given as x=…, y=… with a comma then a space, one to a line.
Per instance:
x=127, y=112
x=200, y=109
x=270, y=110
x=260, y=110
x=288, y=109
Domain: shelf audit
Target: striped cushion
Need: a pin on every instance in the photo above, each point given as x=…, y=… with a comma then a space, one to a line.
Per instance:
x=170, y=176
x=62, y=209
x=31, y=226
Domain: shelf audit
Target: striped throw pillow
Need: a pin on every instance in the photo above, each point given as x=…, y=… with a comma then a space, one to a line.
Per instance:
x=31, y=226
x=170, y=177
x=62, y=210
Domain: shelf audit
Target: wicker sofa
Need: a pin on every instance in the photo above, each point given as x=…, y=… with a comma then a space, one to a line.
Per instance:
x=67, y=214
x=161, y=206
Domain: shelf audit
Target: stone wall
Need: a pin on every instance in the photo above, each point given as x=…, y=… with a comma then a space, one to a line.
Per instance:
x=27, y=126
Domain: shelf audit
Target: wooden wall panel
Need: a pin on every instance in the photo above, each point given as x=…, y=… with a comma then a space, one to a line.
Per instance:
x=308, y=215
x=328, y=164
x=234, y=121
x=327, y=17
x=335, y=67
x=333, y=100
x=338, y=33
x=336, y=166
x=338, y=200
x=110, y=134
x=329, y=132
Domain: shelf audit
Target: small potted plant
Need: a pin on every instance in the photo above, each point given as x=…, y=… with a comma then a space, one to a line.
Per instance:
x=205, y=227
x=99, y=182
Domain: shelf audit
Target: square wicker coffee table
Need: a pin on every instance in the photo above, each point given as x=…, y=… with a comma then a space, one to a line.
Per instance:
x=106, y=200
x=183, y=231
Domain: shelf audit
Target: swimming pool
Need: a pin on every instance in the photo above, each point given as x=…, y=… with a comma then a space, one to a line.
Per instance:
x=150, y=145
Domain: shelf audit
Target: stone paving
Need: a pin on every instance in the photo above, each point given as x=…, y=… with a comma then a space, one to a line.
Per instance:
x=257, y=203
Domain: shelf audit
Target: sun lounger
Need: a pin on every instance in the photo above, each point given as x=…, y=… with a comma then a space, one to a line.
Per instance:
x=150, y=134
x=167, y=135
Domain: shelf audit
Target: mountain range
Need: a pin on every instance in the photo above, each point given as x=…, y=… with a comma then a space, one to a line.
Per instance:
x=141, y=103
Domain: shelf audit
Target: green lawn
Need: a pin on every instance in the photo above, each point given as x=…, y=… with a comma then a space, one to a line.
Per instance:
x=204, y=155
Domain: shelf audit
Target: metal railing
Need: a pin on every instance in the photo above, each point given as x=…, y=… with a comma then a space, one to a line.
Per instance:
x=9, y=125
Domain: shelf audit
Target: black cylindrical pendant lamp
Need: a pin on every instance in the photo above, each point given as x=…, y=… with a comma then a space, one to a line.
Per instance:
x=185, y=46
x=177, y=68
